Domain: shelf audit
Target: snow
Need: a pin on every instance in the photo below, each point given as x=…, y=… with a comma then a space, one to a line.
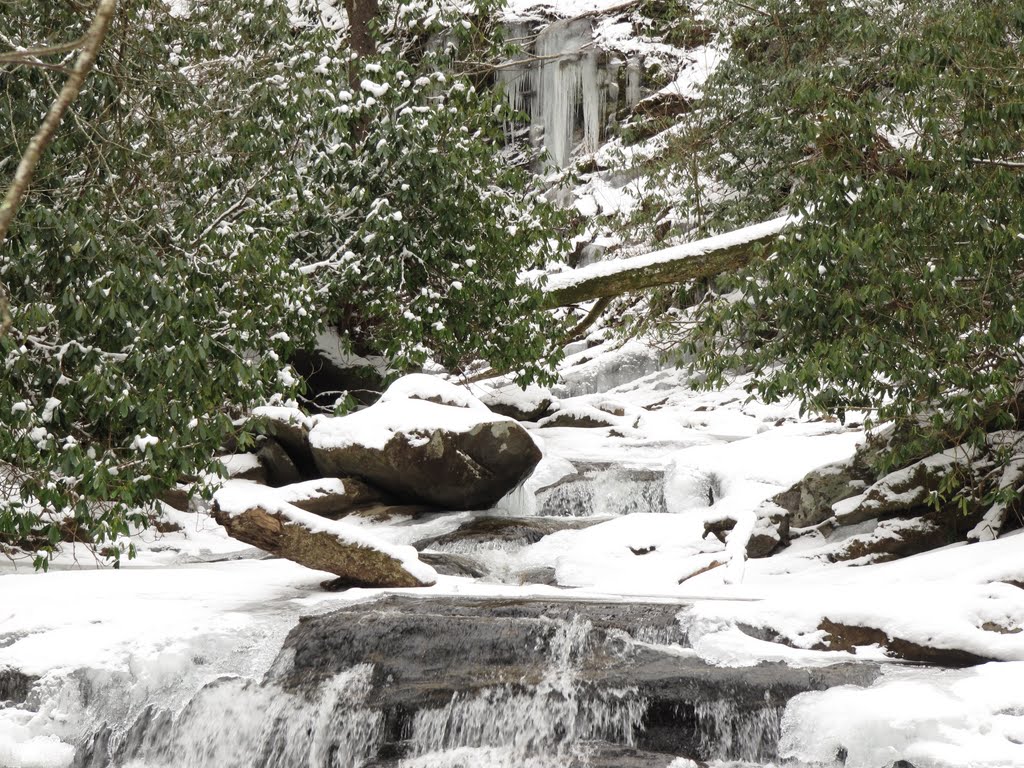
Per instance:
x=196, y=594
x=928, y=718
x=422, y=386
x=375, y=426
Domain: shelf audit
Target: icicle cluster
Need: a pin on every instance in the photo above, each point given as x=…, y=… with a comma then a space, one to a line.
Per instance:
x=563, y=85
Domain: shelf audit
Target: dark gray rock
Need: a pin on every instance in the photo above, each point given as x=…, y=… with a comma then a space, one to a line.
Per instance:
x=810, y=500
x=280, y=467
x=14, y=685
x=518, y=406
x=332, y=498
x=290, y=428
x=451, y=564
x=543, y=574
x=450, y=469
x=326, y=380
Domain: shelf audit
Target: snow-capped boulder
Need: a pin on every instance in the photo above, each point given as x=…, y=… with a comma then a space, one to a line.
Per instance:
x=769, y=534
x=810, y=500
x=425, y=452
x=433, y=389
x=905, y=491
x=529, y=404
x=261, y=519
x=893, y=539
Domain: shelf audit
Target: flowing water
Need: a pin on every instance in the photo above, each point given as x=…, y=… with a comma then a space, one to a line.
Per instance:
x=448, y=682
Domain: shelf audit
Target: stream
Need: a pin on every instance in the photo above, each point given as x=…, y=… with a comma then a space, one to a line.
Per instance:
x=446, y=682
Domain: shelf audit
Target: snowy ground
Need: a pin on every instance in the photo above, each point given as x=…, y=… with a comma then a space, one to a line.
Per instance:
x=196, y=605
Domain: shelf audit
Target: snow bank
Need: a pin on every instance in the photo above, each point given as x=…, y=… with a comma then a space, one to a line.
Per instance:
x=951, y=718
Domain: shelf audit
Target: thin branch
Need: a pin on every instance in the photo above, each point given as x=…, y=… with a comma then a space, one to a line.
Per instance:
x=19, y=55
x=576, y=333
x=1015, y=164
x=42, y=138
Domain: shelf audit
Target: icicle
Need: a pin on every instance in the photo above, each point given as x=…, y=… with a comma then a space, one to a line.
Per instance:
x=634, y=68
x=567, y=79
x=562, y=48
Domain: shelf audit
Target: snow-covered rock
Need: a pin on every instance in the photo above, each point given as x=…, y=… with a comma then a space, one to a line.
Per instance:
x=425, y=452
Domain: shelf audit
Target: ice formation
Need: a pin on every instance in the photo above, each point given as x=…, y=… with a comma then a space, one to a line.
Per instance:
x=563, y=84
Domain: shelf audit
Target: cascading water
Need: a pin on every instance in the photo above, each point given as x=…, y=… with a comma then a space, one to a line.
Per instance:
x=402, y=682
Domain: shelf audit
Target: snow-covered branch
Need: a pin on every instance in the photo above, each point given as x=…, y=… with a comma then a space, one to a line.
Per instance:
x=677, y=264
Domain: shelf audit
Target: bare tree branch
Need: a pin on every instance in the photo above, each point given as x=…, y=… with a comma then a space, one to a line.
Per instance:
x=20, y=55
x=91, y=43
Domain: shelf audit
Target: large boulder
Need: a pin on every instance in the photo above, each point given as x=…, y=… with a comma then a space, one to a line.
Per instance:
x=263, y=520
x=427, y=452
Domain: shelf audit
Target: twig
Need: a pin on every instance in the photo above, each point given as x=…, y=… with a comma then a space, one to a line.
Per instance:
x=19, y=55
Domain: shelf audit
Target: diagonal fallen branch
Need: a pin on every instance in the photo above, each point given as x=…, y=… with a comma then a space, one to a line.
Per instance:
x=91, y=43
x=677, y=264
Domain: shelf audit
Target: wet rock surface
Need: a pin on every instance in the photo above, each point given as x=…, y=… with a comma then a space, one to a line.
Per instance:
x=618, y=662
x=507, y=530
x=14, y=685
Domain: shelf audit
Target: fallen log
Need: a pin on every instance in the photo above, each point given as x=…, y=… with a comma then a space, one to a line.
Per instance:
x=669, y=266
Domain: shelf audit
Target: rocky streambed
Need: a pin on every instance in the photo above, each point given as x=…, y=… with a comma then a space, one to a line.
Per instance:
x=451, y=681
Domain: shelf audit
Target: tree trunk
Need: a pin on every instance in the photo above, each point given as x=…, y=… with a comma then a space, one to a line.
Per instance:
x=360, y=37
x=678, y=264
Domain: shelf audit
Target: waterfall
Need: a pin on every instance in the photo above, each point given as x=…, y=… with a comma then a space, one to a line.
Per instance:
x=733, y=733
x=237, y=723
x=551, y=718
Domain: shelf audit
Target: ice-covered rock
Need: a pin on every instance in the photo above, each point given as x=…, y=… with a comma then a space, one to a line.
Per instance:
x=597, y=489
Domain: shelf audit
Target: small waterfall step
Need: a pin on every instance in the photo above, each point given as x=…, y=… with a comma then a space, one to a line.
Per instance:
x=438, y=682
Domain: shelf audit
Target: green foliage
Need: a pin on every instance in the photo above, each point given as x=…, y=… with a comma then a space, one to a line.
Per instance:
x=894, y=129
x=218, y=192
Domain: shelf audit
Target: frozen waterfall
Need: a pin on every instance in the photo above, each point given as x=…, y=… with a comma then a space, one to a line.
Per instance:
x=564, y=83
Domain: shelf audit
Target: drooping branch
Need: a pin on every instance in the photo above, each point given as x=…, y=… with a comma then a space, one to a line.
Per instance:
x=91, y=43
x=670, y=266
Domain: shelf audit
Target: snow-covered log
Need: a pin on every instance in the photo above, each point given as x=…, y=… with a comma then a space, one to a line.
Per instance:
x=677, y=264
x=256, y=516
